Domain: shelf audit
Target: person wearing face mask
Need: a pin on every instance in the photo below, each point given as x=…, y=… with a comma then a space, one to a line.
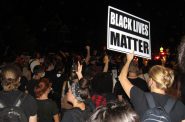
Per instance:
x=160, y=79
x=38, y=73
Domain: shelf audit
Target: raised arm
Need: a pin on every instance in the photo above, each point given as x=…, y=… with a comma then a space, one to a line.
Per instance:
x=125, y=83
x=106, y=63
x=79, y=71
x=88, y=55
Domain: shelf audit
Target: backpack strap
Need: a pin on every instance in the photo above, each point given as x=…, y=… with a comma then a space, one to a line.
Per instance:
x=150, y=100
x=19, y=100
x=169, y=105
x=2, y=105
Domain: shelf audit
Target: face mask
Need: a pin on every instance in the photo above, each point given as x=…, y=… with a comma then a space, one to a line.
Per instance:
x=58, y=75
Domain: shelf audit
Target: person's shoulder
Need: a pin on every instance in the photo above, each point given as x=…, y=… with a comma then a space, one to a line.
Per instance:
x=180, y=105
x=135, y=88
x=51, y=101
x=10, y=93
x=29, y=99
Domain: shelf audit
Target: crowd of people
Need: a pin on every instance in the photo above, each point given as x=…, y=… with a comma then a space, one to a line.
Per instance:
x=96, y=87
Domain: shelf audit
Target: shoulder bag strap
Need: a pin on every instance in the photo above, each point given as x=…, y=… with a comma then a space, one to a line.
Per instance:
x=2, y=104
x=150, y=100
x=169, y=105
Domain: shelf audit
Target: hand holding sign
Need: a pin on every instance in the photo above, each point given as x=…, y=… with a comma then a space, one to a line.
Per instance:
x=106, y=59
x=130, y=56
x=87, y=47
x=126, y=32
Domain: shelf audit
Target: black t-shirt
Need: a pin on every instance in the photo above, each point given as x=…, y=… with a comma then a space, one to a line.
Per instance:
x=57, y=83
x=140, y=104
x=76, y=115
x=46, y=110
x=29, y=105
x=140, y=83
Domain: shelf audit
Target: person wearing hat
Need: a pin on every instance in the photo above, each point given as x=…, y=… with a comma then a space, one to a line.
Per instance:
x=76, y=95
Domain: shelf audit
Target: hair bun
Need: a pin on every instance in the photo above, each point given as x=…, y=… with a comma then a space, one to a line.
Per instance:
x=168, y=77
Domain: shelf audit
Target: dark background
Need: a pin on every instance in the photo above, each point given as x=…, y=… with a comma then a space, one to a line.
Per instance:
x=28, y=25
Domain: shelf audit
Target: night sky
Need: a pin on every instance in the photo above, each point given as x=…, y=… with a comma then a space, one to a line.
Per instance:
x=29, y=25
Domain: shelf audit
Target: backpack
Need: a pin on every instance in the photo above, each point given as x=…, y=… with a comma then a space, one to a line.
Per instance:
x=13, y=113
x=157, y=113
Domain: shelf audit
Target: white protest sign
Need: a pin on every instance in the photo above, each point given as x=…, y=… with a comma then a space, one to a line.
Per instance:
x=126, y=32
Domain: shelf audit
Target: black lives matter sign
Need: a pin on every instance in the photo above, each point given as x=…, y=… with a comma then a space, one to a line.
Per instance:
x=126, y=32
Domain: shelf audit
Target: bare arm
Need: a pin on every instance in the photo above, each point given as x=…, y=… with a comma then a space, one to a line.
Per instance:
x=183, y=121
x=87, y=58
x=79, y=71
x=63, y=89
x=125, y=83
x=33, y=118
x=106, y=62
x=56, y=118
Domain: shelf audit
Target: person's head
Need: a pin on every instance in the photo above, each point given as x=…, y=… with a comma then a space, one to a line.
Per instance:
x=78, y=91
x=11, y=75
x=60, y=67
x=93, y=60
x=43, y=87
x=160, y=77
x=49, y=63
x=133, y=68
x=38, y=71
x=114, y=112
